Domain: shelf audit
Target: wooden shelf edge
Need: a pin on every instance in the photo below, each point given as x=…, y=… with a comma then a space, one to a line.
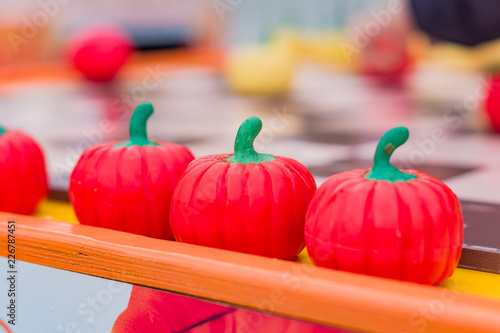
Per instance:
x=292, y=289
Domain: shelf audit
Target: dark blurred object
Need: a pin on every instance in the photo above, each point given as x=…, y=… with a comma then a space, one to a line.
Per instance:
x=467, y=22
x=160, y=37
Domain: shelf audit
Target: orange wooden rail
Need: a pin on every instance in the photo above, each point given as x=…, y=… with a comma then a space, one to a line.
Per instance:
x=288, y=288
x=167, y=60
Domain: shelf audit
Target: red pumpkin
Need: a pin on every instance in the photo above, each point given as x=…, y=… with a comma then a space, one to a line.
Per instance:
x=23, y=177
x=492, y=102
x=100, y=53
x=128, y=186
x=246, y=201
x=400, y=224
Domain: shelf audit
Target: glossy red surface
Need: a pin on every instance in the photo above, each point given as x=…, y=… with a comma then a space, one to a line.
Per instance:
x=156, y=311
x=251, y=208
x=245, y=321
x=23, y=178
x=409, y=231
x=100, y=53
x=128, y=188
x=492, y=102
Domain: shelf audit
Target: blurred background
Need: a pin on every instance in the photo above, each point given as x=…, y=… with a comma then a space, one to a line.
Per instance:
x=34, y=31
x=72, y=71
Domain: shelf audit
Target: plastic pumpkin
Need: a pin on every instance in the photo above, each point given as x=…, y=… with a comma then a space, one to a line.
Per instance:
x=127, y=186
x=400, y=224
x=246, y=201
x=23, y=177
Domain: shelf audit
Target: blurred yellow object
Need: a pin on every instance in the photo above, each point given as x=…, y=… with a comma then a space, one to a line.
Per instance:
x=478, y=58
x=260, y=69
x=288, y=38
x=327, y=48
x=322, y=47
x=56, y=210
x=268, y=69
x=333, y=47
x=475, y=282
x=453, y=55
x=488, y=54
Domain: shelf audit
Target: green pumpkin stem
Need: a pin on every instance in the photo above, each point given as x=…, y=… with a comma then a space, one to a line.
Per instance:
x=244, y=151
x=382, y=169
x=138, y=132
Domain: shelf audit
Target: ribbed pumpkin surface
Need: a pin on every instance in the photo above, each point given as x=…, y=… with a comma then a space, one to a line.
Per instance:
x=256, y=208
x=128, y=188
x=23, y=177
x=403, y=230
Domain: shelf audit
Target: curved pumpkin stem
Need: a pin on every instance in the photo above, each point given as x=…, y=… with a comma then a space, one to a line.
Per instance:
x=244, y=151
x=382, y=169
x=138, y=132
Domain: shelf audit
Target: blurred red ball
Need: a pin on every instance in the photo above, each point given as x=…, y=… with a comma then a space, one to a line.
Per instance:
x=100, y=53
x=492, y=102
x=386, y=61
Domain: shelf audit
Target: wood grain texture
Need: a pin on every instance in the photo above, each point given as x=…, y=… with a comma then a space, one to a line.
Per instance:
x=288, y=288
